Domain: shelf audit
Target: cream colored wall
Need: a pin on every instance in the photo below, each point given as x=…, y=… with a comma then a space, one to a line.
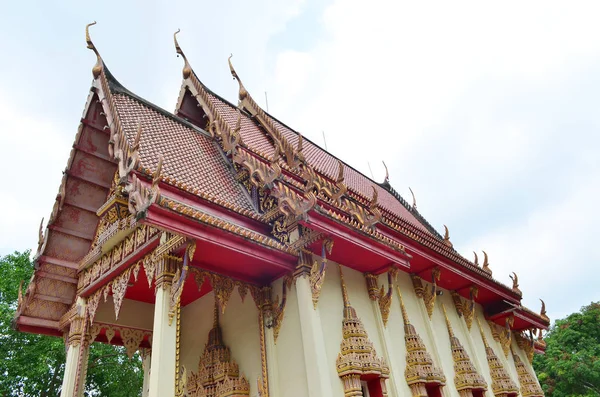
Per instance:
x=132, y=314
x=433, y=332
x=289, y=354
x=288, y=366
x=240, y=330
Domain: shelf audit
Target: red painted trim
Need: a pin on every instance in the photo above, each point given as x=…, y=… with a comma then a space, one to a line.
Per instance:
x=166, y=219
x=326, y=225
x=454, y=269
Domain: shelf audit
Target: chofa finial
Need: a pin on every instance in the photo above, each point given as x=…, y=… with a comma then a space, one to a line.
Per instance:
x=543, y=311
x=476, y=263
x=88, y=40
x=486, y=264
x=515, y=286
x=187, y=69
x=447, y=237
x=414, y=203
x=97, y=69
x=387, y=174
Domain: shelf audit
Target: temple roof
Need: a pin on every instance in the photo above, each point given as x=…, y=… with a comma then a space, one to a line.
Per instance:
x=194, y=169
x=192, y=159
x=323, y=162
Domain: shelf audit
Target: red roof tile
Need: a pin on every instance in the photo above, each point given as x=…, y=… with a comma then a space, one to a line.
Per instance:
x=191, y=158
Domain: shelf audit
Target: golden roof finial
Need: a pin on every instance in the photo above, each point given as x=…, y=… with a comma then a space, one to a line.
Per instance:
x=447, y=237
x=543, y=311
x=414, y=204
x=485, y=342
x=97, y=69
x=243, y=93
x=344, y=290
x=187, y=69
x=402, y=307
x=387, y=174
x=373, y=203
x=340, y=177
x=476, y=263
x=450, y=331
x=486, y=264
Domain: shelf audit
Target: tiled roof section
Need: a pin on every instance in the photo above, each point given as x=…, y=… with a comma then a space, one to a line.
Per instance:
x=322, y=161
x=191, y=159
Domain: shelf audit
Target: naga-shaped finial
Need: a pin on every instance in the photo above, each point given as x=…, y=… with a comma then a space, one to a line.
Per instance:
x=156, y=176
x=414, y=203
x=447, y=237
x=515, y=280
x=543, y=311
x=97, y=69
x=187, y=69
x=339, y=183
x=387, y=174
x=476, y=262
x=243, y=93
x=373, y=202
x=486, y=264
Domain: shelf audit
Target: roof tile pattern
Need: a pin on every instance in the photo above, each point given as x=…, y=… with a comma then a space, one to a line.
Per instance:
x=190, y=157
x=322, y=161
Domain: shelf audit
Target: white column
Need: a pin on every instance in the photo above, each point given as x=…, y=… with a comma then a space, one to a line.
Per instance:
x=164, y=336
x=386, y=342
x=74, y=379
x=315, y=358
x=146, y=357
x=272, y=365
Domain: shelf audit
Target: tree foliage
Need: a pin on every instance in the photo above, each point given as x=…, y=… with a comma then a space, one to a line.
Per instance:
x=571, y=365
x=33, y=365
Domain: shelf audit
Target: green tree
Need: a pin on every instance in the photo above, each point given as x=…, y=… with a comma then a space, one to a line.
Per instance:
x=571, y=365
x=33, y=365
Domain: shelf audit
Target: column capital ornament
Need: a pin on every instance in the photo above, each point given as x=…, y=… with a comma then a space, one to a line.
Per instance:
x=503, y=335
x=179, y=281
x=502, y=384
x=427, y=293
x=357, y=357
x=464, y=308
x=379, y=295
x=466, y=377
x=317, y=271
x=420, y=370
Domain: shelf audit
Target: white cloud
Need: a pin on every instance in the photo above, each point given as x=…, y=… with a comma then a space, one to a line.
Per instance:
x=33, y=152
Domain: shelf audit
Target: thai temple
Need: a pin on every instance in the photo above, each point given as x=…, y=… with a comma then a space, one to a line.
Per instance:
x=240, y=259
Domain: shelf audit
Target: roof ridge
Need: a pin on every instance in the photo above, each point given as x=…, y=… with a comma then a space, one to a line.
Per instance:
x=117, y=87
x=414, y=211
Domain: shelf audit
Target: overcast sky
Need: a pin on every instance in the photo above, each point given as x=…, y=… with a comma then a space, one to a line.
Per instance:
x=489, y=111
